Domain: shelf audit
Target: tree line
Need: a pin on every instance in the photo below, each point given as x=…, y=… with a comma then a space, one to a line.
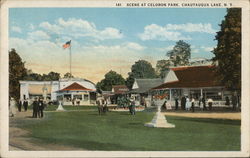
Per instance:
x=227, y=61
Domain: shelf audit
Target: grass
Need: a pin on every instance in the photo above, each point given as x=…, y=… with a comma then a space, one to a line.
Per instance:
x=120, y=131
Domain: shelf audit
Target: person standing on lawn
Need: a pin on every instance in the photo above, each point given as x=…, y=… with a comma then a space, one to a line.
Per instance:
x=105, y=106
x=192, y=104
x=12, y=107
x=234, y=101
x=99, y=103
x=20, y=104
x=227, y=101
x=210, y=103
x=183, y=103
x=41, y=107
x=188, y=103
x=25, y=104
x=132, y=106
x=176, y=103
x=204, y=103
x=35, y=108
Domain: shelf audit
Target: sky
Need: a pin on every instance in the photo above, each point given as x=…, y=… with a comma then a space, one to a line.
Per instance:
x=104, y=39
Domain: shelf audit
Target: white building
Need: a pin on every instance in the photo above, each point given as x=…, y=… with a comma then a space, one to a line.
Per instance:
x=68, y=90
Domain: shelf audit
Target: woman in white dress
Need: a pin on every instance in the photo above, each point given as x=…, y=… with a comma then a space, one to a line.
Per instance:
x=12, y=107
x=188, y=104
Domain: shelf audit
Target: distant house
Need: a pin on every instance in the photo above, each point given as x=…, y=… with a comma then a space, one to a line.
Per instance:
x=141, y=88
x=193, y=81
x=67, y=90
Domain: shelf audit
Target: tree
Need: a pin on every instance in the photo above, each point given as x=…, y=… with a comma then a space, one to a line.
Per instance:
x=228, y=51
x=31, y=76
x=68, y=75
x=162, y=66
x=111, y=78
x=51, y=76
x=17, y=72
x=141, y=69
x=180, y=54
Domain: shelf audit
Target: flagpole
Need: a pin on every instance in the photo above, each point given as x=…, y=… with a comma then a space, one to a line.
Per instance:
x=70, y=61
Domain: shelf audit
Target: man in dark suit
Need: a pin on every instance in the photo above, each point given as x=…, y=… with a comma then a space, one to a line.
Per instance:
x=20, y=105
x=35, y=108
x=183, y=103
x=204, y=103
x=176, y=103
x=25, y=104
x=234, y=101
x=41, y=107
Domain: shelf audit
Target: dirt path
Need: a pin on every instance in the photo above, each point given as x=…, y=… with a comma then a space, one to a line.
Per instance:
x=232, y=115
x=18, y=139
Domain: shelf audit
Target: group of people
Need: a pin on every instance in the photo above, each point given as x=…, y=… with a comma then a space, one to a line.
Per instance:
x=102, y=105
x=235, y=100
x=189, y=104
x=75, y=102
x=38, y=107
x=21, y=103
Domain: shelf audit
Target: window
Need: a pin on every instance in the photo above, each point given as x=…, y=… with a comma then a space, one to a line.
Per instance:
x=78, y=97
x=86, y=97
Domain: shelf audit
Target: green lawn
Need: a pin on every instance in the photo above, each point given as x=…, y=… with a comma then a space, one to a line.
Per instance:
x=123, y=132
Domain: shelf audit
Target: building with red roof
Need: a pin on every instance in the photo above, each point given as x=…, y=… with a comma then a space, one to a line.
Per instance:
x=192, y=81
x=72, y=91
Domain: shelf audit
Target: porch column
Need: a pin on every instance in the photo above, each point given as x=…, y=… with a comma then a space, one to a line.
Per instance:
x=170, y=94
x=82, y=99
x=89, y=97
x=201, y=93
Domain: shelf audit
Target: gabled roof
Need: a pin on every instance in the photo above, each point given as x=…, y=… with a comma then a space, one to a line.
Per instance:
x=146, y=84
x=119, y=89
x=75, y=87
x=193, y=77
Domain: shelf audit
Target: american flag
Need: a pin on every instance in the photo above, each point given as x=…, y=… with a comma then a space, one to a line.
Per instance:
x=67, y=44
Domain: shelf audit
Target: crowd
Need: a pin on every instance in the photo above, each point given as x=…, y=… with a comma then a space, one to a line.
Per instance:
x=102, y=105
x=187, y=103
x=38, y=107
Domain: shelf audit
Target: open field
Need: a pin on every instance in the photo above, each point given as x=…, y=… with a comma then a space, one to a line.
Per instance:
x=86, y=130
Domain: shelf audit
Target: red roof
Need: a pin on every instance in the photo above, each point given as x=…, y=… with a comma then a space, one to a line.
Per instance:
x=75, y=87
x=120, y=89
x=192, y=77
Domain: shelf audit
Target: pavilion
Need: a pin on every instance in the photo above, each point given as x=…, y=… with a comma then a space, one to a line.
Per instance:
x=192, y=81
x=67, y=90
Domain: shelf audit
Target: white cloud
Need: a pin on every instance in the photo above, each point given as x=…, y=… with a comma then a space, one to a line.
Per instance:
x=170, y=31
x=80, y=28
x=38, y=35
x=135, y=46
x=50, y=28
x=156, y=32
x=16, y=29
x=190, y=27
x=207, y=49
